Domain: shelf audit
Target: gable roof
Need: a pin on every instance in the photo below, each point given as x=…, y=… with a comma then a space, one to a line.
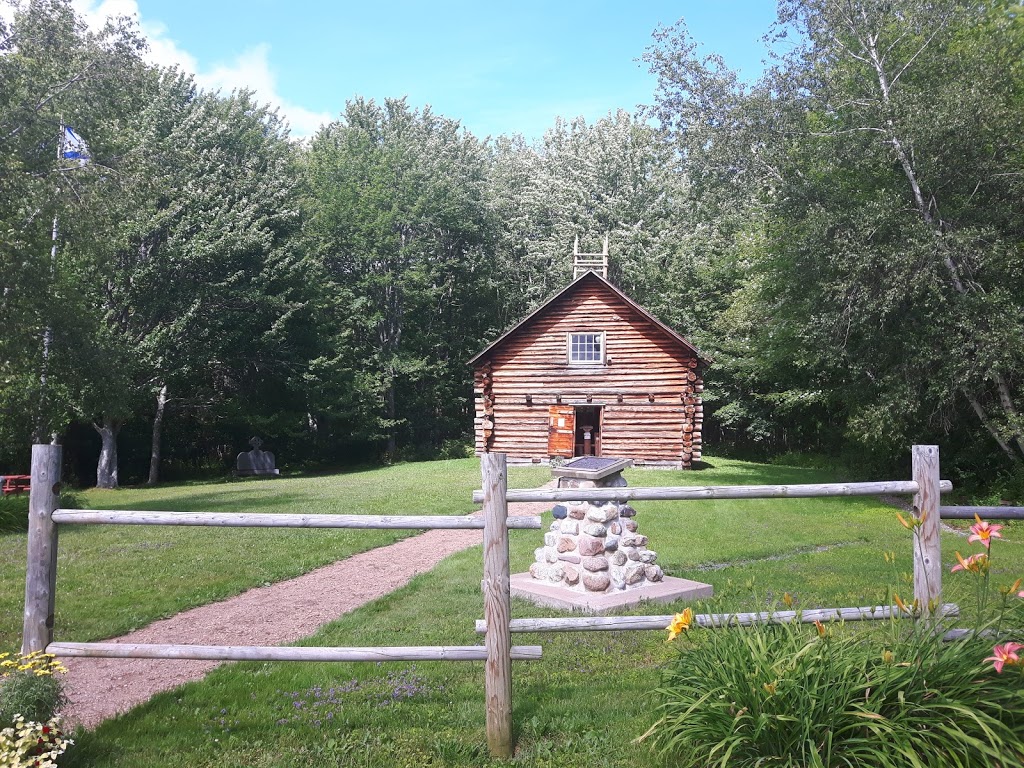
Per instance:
x=573, y=287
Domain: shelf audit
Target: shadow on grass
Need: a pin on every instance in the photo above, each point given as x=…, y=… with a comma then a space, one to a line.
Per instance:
x=731, y=473
x=240, y=501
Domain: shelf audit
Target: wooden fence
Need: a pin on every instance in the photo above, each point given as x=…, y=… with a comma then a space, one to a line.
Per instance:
x=497, y=626
x=497, y=652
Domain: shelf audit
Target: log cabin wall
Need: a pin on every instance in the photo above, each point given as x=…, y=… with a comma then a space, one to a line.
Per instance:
x=648, y=387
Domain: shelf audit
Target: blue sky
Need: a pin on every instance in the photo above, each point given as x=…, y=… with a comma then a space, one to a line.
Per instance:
x=496, y=67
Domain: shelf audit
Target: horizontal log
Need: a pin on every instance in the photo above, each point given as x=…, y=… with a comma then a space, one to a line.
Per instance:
x=260, y=520
x=626, y=623
x=638, y=404
x=808, y=490
x=605, y=386
x=953, y=635
x=287, y=653
x=553, y=364
x=994, y=513
x=549, y=395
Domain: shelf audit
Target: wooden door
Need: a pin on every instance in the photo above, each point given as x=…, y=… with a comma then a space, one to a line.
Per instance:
x=561, y=430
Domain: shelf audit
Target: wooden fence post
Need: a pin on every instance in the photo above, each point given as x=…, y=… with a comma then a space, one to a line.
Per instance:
x=497, y=606
x=927, y=546
x=41, y=570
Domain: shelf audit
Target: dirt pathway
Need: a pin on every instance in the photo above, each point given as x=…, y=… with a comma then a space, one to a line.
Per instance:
x=275, y=615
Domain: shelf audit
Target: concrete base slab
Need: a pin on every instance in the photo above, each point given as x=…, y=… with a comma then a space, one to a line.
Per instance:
x=667, y=590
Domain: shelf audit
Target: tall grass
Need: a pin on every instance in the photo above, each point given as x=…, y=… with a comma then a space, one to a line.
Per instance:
x=838, y=696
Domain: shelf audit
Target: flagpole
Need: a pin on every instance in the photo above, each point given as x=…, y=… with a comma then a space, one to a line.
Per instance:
x=42, y=419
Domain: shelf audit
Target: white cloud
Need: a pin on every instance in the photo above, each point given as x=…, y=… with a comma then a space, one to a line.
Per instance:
x=250, y=69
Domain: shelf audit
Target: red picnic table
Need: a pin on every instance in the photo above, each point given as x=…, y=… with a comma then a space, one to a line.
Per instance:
x=14, y=484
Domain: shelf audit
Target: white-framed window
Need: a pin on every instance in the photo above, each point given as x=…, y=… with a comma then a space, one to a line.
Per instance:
x=586, y=349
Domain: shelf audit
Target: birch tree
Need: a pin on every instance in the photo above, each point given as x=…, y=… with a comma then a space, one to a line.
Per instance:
x=883, y=151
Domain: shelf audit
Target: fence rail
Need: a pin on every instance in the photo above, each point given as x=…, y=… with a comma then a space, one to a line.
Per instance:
x=260, y=520
x=682, y=493
x=287, y=653
x=993, y=513
x=497, y=653
x=628, y=623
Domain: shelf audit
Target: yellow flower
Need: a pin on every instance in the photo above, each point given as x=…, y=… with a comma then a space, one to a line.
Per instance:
x=787, y=599
x=820, y=627
x=680, y=623
x=887, y=657
x=769, y=688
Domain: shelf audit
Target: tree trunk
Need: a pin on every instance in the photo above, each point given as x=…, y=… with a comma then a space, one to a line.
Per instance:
x=106, y=468
x=980, y=412
x=929, y=213
x=389, y=412
x=158, y=427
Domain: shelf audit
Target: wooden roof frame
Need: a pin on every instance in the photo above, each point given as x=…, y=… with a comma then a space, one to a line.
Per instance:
x=591, y=275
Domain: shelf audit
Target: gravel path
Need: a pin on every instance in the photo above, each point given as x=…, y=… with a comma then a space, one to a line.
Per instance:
x=275, y=615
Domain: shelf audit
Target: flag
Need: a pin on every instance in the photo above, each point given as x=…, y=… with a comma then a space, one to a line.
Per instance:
x=73, y=146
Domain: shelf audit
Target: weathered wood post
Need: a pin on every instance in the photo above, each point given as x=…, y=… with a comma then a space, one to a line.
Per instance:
x=927, y=546
x=497, y=606
x=41, y=570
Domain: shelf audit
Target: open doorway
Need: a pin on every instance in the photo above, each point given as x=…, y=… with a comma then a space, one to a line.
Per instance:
x=588, y=430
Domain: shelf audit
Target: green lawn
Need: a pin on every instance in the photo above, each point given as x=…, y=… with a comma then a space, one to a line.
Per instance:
x=112, y=579
x=581, y=705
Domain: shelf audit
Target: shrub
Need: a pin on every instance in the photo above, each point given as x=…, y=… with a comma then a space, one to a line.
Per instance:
x=36, y=698
x=29, y=688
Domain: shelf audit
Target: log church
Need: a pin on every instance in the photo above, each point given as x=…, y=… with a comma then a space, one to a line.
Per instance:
x=590, y=373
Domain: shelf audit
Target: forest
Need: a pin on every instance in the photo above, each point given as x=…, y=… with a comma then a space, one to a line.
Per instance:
x=844, y=237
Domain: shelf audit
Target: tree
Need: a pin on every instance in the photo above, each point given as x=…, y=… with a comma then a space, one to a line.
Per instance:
x=398, y=224
x=915, y=124
x=53, y=72
x=199, y=283
x=885, y=151
x=612, y=178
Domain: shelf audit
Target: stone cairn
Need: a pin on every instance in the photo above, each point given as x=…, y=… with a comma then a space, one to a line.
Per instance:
x=595, y=547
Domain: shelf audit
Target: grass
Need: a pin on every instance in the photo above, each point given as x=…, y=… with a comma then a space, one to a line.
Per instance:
x=581, y=705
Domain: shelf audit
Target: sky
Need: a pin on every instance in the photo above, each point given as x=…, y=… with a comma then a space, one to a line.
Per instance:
x=498, y=68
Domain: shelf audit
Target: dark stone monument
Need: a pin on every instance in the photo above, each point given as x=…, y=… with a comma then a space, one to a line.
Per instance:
x=256, y=462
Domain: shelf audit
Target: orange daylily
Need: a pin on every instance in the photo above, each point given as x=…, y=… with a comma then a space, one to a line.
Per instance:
x=1005, y=654
x=680, y=623
x=899, y=603
x=975, y=563
x=983, y=532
